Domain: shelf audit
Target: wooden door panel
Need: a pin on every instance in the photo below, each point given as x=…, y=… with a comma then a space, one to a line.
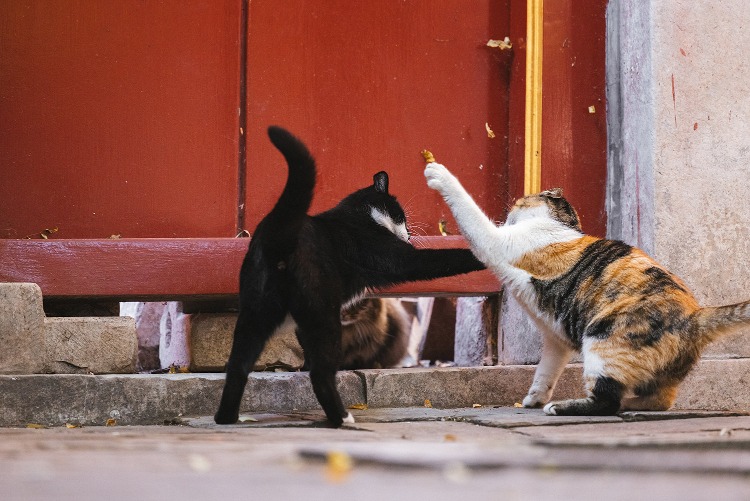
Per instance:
x=370, y=84
x=574, y=118
x=119, y=118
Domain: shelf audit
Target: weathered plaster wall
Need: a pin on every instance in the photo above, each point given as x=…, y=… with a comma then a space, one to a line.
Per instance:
x=630, y=103
x=679, y=163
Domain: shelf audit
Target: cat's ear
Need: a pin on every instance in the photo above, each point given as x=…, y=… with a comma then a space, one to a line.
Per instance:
x=553, y=193
x=380, y=182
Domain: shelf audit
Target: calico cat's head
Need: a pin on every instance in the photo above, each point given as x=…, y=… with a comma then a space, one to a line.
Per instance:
x=375, y=202
x=549, y=203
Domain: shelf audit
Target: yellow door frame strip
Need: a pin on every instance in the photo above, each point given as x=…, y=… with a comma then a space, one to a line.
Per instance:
x=533, y=110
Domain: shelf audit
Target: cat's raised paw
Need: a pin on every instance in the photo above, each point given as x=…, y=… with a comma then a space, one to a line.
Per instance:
x=437, y=176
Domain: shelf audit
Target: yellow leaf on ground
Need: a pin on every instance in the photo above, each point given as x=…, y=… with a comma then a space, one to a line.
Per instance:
x=111, y=422
x=427, y=403
x=359, y=407
x=338, y=466
x=35, y=426
x=517, y=405
x=476, y=406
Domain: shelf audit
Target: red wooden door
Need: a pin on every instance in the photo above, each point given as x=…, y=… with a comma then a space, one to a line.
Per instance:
x=119, y=117
x=367, y=86
x=122, y=117
x=147, y=119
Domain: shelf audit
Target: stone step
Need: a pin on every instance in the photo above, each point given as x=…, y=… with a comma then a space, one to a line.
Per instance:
x=56, y=400
x=32, y=343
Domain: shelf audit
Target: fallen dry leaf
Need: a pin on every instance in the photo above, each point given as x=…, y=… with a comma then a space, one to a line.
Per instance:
x=428, y=156
x=70, y=425
x=490, y=134
x=359, y=407
x=476, y=406
x=111, y=422
x=338, y=466
x=427, y=403
x=517, y=405
x=449, y=437
x=35, y=426
x=443, y=227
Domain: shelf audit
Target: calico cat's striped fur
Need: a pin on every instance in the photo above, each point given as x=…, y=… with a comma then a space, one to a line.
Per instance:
x=374, y=334
x=638, y=326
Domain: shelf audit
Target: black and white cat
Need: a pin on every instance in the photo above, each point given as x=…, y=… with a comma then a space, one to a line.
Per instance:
x=305, y=268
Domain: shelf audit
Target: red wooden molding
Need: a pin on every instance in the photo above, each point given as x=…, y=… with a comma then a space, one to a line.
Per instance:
x=173, y=269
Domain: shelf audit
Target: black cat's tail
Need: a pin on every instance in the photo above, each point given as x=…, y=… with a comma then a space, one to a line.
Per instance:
x=296, y=198
x=714, y=321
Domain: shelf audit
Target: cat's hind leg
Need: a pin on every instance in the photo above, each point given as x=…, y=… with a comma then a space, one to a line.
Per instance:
x=603, y=378
x=555, y=355
x=255, y=324
x=603, y=400
x=320, y=337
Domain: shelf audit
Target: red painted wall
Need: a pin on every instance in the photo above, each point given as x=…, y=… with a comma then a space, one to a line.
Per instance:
x=574, y=139
x=119, y=117
x=123, y=117
x=368, y=88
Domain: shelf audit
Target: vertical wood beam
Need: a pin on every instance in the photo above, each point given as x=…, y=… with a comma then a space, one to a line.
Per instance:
x=533, y=117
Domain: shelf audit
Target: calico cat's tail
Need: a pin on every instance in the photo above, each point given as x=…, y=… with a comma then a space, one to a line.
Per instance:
x=714, y=321
x=296, y=198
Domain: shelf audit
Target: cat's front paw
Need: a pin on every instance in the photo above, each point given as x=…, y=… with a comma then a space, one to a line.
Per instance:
x=537, y=398
x=438, y=177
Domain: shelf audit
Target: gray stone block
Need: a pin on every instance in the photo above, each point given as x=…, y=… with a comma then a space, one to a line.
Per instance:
x=211, y=341
x=716, y=385
x=476, y=331
x=458, y=387
x=153, y=399
x=21, y=329
x=520, y=340
x=734, y=345
x=101, y=345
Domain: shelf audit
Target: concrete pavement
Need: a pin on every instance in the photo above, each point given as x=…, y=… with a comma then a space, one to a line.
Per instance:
x=403, y=453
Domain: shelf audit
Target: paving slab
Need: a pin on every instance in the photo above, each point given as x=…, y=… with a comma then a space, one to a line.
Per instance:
x=437, y=459
x=729, y=431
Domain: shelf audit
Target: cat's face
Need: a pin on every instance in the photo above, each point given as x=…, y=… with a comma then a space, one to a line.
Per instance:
x=549, y=204
x=378, y=204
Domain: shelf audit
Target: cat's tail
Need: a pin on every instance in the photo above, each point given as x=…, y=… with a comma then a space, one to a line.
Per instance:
x=296, y=198
x=712, y=322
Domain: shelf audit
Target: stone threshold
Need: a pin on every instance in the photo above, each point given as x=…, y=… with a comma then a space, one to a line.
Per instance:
x=140, y=399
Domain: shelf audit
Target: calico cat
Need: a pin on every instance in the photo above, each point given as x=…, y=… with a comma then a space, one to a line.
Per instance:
x=375, y=334
x=639, y=328
x=306, y=268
